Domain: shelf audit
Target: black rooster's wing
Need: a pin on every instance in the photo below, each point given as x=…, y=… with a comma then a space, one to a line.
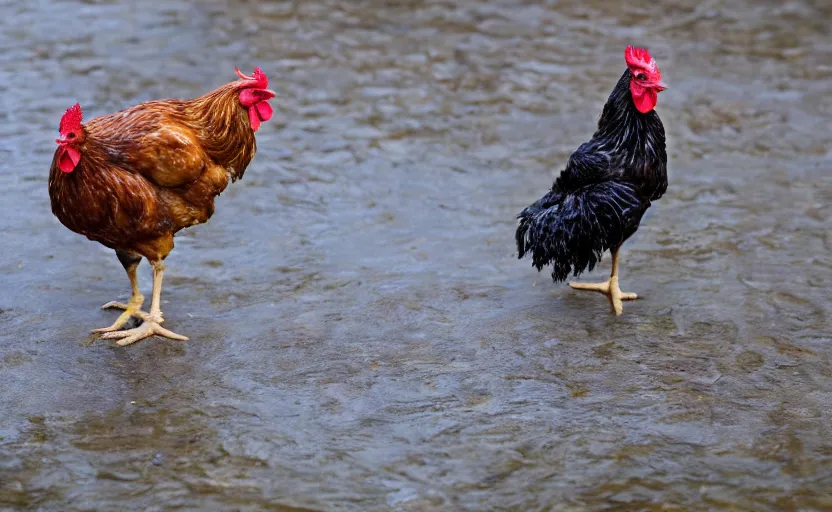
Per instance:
x=586, y=166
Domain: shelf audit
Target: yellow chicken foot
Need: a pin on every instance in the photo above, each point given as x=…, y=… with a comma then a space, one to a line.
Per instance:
x=152, y=322
x=131, y=309
x=611, y=290
x=134, y=306
x=609, y=287
x=150, y=327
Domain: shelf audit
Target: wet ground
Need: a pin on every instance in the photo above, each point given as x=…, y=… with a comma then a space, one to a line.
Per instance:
x=362, y=335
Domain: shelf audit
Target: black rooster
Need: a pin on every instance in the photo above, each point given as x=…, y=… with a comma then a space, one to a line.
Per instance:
x=597, y=202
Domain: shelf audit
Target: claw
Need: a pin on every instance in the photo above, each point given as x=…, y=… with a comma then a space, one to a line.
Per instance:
x=115, y=305
x=149, y=328
x=131, y=309
x=112, y=328
x=610, y=289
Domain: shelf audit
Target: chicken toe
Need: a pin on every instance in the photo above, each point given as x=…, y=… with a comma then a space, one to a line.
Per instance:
x=150, y=327
x=131, y=309
x=114, y=304
x=609, y=288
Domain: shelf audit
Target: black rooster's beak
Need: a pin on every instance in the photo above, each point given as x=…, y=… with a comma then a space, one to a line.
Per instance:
x=660, y=86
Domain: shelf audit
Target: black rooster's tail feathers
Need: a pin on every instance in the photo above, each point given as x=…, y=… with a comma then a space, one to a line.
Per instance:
x=573, y=231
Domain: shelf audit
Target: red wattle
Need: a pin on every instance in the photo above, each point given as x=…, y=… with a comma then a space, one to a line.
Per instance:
x=253, y=118
x=264, y=110
x=68, y=159
x=646, y=101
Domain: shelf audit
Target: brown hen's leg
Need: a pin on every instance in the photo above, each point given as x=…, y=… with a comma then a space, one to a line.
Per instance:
x=152, y=325
x=609, y=287
x=134, y=306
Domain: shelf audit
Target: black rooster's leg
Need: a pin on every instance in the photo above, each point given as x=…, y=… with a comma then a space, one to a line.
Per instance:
x=134, y=306
x=152, y=322
x=609, y=287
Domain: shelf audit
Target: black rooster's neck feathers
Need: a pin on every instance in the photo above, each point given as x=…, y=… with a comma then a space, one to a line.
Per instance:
x=621, y=123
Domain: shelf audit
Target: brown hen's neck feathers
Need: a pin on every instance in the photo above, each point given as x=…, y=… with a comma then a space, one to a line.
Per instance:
x=223, y=127
x=217, y=119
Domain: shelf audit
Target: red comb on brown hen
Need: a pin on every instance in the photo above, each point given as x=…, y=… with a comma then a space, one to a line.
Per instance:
x=71, y=120
x=255, y=96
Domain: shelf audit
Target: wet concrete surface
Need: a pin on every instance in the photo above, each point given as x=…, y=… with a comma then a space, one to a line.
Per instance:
x=362, y=334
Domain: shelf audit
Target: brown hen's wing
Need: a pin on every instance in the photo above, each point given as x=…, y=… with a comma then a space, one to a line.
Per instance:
x=152, y=139
x=171, y=156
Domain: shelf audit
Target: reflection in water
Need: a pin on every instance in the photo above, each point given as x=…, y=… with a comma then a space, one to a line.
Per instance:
x=363, y=337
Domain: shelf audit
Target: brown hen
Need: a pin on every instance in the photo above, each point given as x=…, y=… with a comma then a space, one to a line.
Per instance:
x=132, y=179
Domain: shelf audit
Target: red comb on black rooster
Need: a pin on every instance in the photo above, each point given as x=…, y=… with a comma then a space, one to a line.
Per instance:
x=599, y=198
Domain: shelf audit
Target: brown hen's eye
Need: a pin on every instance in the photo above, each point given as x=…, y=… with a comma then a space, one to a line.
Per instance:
x=71, y=136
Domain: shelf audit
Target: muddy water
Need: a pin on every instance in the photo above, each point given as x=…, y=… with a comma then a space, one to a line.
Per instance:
x=363, y=337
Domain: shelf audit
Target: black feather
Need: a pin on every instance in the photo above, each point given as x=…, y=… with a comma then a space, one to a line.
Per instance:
x=598, y=200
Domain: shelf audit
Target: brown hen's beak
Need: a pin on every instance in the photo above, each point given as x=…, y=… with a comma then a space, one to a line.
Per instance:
x=60, y=140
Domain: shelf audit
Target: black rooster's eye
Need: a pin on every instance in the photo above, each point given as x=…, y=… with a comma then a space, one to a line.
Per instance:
x=641, y=76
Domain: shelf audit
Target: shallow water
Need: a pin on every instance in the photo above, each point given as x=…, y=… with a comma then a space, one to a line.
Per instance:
x=362, y=335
